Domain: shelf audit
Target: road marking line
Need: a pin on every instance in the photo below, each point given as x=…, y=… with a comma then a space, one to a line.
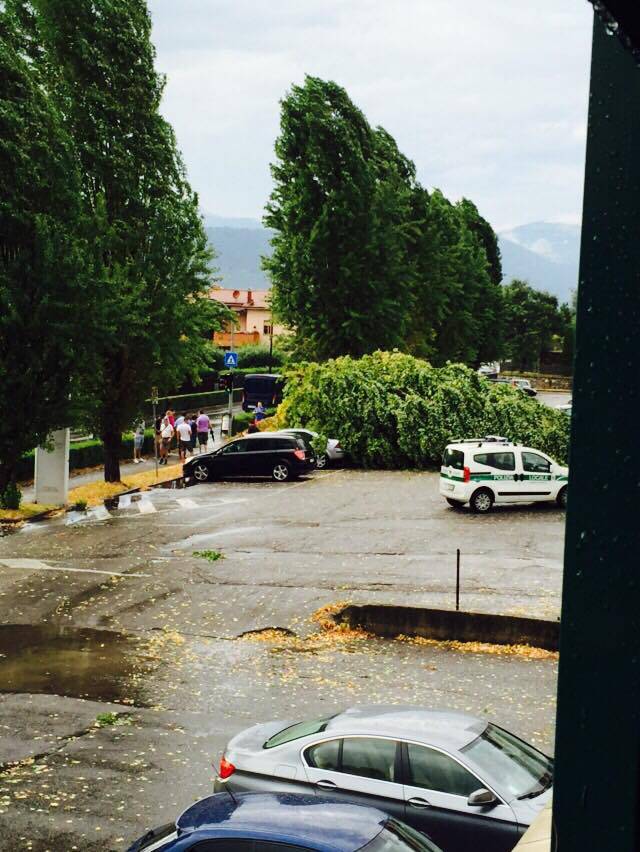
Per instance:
x=146, y=507
x=37, y=565
x=186, y=502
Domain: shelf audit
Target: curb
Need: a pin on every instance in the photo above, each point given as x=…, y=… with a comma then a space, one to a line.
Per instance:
x=444, y=625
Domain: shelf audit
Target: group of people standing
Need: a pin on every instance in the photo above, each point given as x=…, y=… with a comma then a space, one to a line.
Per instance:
x=188, y=430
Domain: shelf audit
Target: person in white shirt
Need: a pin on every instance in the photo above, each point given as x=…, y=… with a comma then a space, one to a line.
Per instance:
x=166, y=434
x=184, y=439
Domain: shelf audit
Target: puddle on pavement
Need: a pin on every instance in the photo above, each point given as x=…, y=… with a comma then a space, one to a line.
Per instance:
x=100, y=665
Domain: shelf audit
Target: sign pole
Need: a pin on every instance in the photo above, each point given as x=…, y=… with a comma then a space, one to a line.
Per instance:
x=230, y=432
x=154, y=402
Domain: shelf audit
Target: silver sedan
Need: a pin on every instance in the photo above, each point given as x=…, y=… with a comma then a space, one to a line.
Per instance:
x=334, y=452
x=466, y=783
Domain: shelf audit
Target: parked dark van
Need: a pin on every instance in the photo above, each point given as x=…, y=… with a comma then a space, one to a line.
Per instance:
x=282, y=457
x=262, y=387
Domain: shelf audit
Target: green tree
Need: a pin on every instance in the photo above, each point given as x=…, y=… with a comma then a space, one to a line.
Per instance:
x=341, y=199
x=154, y=316
x=532, y=317
x=486, y=235
x=457, y=310
x=44, y=262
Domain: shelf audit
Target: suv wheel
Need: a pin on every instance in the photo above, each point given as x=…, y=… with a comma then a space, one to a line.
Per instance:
x=281, y=472
x=481, y=501
x=321, y=461
x=561, y=499
x=201, y=472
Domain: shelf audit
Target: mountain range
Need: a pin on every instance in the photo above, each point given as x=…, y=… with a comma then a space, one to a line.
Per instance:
x=545, y=254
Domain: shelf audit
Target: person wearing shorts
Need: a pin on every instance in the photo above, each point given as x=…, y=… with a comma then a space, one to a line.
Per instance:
x=166, y=434
x=202, y=427
x=138, y=442
x=184, y=439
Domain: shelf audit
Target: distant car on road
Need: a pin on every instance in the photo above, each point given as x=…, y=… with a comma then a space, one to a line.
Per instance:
x=484, y=471
x=565, y=407
x=282, y=457
x=334, y=452
x=468, y=784
x=267, y=822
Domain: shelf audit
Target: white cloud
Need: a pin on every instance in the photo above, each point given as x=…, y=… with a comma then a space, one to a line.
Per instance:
x=488, y=99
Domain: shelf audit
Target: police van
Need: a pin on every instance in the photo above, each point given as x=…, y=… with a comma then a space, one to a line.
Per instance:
x=484, y=471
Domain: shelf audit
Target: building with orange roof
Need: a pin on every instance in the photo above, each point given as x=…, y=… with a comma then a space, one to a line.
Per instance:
x=253, y=314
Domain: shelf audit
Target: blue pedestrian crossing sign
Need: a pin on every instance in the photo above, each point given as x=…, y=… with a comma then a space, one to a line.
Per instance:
x=231, y=359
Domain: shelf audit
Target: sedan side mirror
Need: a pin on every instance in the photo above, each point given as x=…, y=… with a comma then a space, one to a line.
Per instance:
x=482, y=798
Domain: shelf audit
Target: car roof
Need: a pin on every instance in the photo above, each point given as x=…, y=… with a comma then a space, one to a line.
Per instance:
x=446, y=728
x=259, y=436
x=314, y=822
x=262, y=376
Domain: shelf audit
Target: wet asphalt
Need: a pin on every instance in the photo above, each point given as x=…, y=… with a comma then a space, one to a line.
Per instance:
x=127, y=661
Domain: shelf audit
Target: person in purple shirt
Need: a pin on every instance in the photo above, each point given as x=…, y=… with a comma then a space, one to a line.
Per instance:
x=202, y=427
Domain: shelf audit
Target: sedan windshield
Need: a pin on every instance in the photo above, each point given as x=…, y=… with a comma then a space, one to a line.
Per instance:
x=512, y=766
x=397, y=837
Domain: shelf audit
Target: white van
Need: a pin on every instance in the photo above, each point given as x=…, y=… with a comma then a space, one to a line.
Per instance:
x=484, y=471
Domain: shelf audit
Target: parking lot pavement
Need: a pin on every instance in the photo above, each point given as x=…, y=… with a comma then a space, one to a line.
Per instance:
x=118, y=612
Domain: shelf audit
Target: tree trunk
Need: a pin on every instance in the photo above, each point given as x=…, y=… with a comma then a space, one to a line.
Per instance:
x=7, y=475
x=112, y=442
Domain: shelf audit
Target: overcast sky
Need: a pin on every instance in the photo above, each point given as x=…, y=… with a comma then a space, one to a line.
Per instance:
x=488, y=99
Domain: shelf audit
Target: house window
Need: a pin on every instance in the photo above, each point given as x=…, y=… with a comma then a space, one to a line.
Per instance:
x=268, y=328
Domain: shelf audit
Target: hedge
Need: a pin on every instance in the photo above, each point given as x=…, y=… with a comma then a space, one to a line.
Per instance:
x=191, y=402
x=242, y=419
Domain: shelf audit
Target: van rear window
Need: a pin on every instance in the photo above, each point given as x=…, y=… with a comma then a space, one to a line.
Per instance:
x=453, y=458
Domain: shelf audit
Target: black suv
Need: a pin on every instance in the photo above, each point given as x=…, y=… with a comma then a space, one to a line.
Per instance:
x=282, y=457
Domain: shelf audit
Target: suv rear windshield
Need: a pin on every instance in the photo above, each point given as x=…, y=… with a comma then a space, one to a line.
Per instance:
x=297, y=731
x=453, y=458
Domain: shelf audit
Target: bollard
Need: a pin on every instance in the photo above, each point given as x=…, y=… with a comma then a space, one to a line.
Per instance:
x=457, y=579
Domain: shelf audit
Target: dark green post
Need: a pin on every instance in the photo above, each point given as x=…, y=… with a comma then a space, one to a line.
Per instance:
x=597, y=785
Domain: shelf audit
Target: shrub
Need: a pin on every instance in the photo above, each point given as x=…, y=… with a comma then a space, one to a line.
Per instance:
x=258, y=356
x=393, y=411
x=10, y=497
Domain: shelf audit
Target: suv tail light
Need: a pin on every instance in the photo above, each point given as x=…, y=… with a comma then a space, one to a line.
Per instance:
x=467, y=475
x=299, y=454
x=226, y=768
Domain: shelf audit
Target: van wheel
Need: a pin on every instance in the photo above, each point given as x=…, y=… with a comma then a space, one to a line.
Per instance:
x=455, y=504
x=561, y=499
x=281, y=472
x=481, y=501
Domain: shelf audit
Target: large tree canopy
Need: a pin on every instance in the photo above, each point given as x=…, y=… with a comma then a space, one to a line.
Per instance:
x=363, y=257
x=153, y=272
x=341, y=198
x=45, y=292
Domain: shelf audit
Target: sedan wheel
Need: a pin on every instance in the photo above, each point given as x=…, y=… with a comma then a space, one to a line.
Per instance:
x=280, y=472
x=201, y=472
x=322, y=461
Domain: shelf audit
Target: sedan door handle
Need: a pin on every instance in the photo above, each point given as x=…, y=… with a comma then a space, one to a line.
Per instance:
x=418, y=803
x=327, y=785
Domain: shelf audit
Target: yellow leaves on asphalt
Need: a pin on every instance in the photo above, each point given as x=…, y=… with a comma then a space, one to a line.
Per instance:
x=94, y=493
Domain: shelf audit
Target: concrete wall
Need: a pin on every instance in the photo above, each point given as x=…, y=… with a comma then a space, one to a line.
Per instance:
x=445, y=624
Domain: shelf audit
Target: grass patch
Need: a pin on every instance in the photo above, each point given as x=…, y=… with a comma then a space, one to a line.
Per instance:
x=93, y=493
x=107, y=720
x=209, y=555
x=26, y=511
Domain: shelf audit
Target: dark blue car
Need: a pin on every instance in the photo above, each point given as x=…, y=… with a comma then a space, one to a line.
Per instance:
x=282, y=822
